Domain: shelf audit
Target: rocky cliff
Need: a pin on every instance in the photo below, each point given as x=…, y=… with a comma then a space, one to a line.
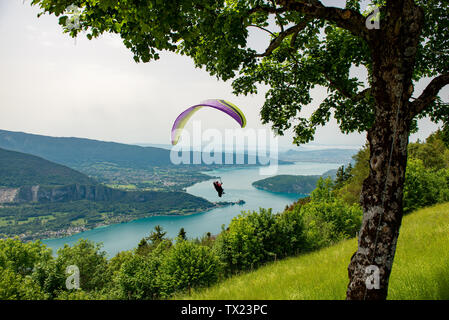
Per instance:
x=44, y=194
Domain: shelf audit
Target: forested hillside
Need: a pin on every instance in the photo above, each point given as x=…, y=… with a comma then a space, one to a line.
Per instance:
x=288, y=184
x=19, y=169
x=300, y=184
x=39, y=198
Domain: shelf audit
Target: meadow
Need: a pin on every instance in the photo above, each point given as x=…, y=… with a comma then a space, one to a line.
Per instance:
x=420, y=270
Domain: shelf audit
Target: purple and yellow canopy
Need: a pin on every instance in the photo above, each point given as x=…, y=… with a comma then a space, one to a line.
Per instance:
x=222, y=105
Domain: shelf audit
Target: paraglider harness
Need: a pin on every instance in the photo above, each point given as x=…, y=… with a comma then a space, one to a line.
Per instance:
x=219, y=188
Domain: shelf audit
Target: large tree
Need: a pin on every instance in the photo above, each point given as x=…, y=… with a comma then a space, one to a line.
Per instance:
x=311, y=45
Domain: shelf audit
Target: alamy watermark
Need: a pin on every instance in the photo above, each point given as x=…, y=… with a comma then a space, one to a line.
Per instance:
x=73, y=280
x=73, y=21
x=373, y=19
x=373, y=279
x=261, y=147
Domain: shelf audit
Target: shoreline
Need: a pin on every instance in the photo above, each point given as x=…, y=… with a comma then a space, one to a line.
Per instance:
x=63, y=233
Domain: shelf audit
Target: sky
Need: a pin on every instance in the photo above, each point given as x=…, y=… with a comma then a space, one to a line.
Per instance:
x=52, y=84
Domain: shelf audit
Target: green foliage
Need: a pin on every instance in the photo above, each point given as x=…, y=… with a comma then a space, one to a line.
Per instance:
x=343, y=175
x=350, y=191
x=154, y=240
x=423, y=186
x=244, y=245
x=92, y=263
x=22, y=257
x=188, y=265
x=434, y=153
x=254, y=238
x=157, y=235
x=426, y=181
x=14, y=286
x=182, y=235
x=328, y=219
x=288, y=184
x=139, y=277
x=18, y=261
x=445, y=135
x=291, y=235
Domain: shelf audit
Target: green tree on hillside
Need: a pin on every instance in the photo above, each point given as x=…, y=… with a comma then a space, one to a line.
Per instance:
x=311, y=45
x=343, y=174
x=182, y=234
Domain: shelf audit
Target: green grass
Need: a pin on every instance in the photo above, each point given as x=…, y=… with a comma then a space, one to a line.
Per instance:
x=420, y=270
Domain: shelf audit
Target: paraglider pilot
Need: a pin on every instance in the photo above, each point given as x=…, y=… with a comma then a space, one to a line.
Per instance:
x=219, y=188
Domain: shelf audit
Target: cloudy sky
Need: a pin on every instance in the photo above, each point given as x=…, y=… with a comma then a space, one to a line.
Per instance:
x=52, y=84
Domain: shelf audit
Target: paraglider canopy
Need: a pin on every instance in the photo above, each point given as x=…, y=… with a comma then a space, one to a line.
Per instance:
x=221, y=105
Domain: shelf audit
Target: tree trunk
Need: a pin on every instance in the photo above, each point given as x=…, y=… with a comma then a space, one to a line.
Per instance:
x=381, y=199
x=393, y=54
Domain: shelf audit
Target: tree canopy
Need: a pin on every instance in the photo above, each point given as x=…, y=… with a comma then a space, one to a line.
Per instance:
x=311, y=45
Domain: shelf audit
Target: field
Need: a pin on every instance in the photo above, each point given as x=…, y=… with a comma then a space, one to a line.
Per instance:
x=420, y=270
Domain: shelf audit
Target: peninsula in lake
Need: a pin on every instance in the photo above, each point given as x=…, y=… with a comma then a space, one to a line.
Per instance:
x=300, y=184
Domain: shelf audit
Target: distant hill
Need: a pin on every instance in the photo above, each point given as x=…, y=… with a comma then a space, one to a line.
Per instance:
x=19, y=169
x=326, y=155
x=292, y=183
x=288, y=184
x=78, y=151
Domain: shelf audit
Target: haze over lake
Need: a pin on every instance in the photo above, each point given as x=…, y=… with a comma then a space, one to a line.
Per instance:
x=237, y=185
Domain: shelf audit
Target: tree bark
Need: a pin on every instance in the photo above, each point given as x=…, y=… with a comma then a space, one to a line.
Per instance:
x=381, y=200
x=393, y=55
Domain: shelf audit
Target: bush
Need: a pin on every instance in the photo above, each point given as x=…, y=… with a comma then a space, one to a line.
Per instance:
x=138, y=278
x=91, y=262
x=188, y=265
x=14, y=286
x=18, y=264
x=251, y=239
x=254, y=238
x=22, y=257
x=423, y=186
x=291, y=232
x=328, y=219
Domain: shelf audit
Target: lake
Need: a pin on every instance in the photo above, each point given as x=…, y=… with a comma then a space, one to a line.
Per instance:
x=237, y=186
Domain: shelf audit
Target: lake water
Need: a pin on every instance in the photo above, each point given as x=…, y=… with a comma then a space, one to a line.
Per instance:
x=237, y=186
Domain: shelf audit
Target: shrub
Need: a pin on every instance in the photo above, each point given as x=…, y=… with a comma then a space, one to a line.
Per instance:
x=91, y=262
x=138, y=278
x=328, y=219
x=252, y=238
x=188, y=265
x=291, y=232
x=424, y=186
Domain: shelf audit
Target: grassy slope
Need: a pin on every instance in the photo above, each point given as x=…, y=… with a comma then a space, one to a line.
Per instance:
x=420, y=271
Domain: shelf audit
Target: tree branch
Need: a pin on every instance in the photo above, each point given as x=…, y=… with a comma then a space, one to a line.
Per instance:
x=262, y=28
x=347, y=19
x=429, y=94
x=266, y=9
x=359, y=96
x=276, y=42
